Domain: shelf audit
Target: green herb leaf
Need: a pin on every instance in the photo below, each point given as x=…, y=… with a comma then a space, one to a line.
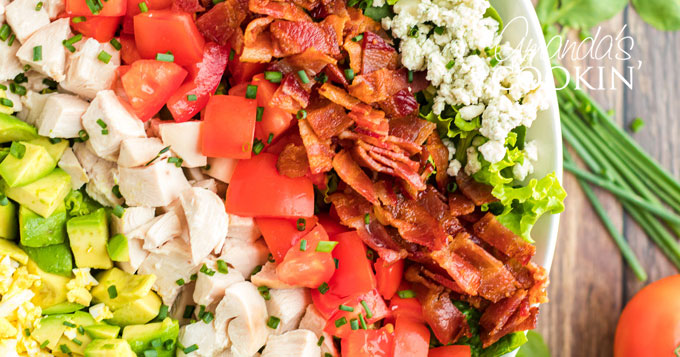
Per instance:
x=662, y=14
x=584, y=14
x=535, y=346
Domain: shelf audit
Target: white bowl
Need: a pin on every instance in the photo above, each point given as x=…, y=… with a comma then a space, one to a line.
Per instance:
x=523, y=28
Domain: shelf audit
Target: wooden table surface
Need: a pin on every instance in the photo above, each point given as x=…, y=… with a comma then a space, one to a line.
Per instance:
x=590, y=283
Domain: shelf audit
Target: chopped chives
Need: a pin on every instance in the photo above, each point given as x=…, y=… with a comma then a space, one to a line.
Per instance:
x=251, y=91
x=17, y=89
x=320, y=342
x=336, y=262
x=78, y=19
x=27, y=332
x=192, y=98
x=259, y=112
x=188, y=311
x=95, y=6
x=273, y=76
x=39, y=6
x=450, y=64
x=105, y=131
x=81, y=330
x=231, y=54
x=11, y=40
x=270, y=138
x=3, y=87
x=369, y=314
x=4, y=32
x=69, y=324
x=410, y=76
x=406, y=294
x=349, y=74
x=113, y=292
x=169, y=345
x=346, y=308
x=439, y=30
x=273, y=322
x=321, y=78
x=207, y=271
x=264, y=291
x=163, y=312
x=258, y=146
x=37, y=53
x=175, y=160
x=452, y=187
x=323, y=288
x=116, y=44
x=301, y=114
x=17, y=150
x=325, y=246
x=83, y=136
x=636, y=125
x=208, y=317
x=77, y=342
x=45, y=343
x=367, y=218
x=358, y=37
x=21, y=78
x=190, y=349
x=165, y=57
x=303, y=245
x=6, y=102
x=354, y=324
x=143, y=7
x=118, y=210
x=341, y=321
x=301, y=224
x=256, y=270
x=116, y=191
x=101, y=123
x=413, y=32
x=303, y=76
x=65, y=349
x=363, y=322
x=179, y=282
x=222, y=266
x=193, y=277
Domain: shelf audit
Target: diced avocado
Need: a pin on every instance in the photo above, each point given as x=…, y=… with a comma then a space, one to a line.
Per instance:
x=55, y=259
x=51, y=329
x=8, y=219
x=109, y=348
x=3, y=153
x=52, y=289
x=102, y=330
x=14, y=252
x=13, y=129
x=88, y=235
x=128, y=288
x=63, y=308
x=138, y=312
x=140, y=337
x=35, y=163
x=118, y=248
x=37, y=231
x=79, y=318
x=55, y=147
x=44, y=195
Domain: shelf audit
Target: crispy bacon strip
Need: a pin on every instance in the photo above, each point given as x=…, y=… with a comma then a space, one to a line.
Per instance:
x=189, y=6
x=377, y=54
x=311, y=59
x=374, y=121
x=293, y=37
x=291, y=96
x=447, y=322
x=440, y=155
x=258, y=51
x=338, y=96
x=478, y=193
x=460, y=205
x=328, y=119
x=359, y=23
x=462, y=272
x=255, y=28
x=319, y=153
x=222, y=21
x=503, y=239
x=354, y=52
x=335, y=74
x=400, y=104
x=292, y=161
x=354, y=176
x=378, y=85
x=278, y=9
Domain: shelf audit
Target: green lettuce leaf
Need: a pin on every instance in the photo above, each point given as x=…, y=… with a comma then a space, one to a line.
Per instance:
x=80, y=204
x=506, y=344
x=535, y=347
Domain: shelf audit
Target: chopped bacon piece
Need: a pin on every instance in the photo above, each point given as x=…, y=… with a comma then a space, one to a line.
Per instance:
x=503, y=239
x=329, y=7
x=291, y=96
x=255, y=28
x=354, y=51
x=435, y=149
x=328, y=119
x=400, y=104
x=189, y=6
x=293, y=37
x=447, y=322
x=236, y=40
x=338, y=96
x=222, y=21
x=378, y=85
x=434, y=203
x=377, y=54
x=258, y=51
x=505, y=316
x=292, y=161
x=278, y=9
x=460, y=205
x=311, y=59
x=359, y=23
x=307, y=4
x=374, y=121
x=338, y=24
x=354, y=176
x=478, y=193
x=463, y=273
x=415, y=223
x=335, y=74
x=319, y=153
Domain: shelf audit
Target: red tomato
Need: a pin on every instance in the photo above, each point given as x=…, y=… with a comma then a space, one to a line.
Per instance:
x=281, y=233
x=148, y=84
x=650, y=322
x=326, y=303
x=243, y=71
x=101, y=28
x=409, y=308
x=331, y=225
x=368, y=343
x=450, y=351
x=411, y=338
x=376, y=305
x=229, y=123
x=160, y=31
x=239, y=90
x=388, y=277
x=307, y=267
x=274, y=120
x=109, y=8
x=128, y=50
x=354, y=274
x=133, y=6
x=204, y=77
x=258, y=190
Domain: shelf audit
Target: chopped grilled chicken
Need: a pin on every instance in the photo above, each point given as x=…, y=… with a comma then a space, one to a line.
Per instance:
x=203, y=336
x=243, y=228
x=9, y=63
x=169, y=263
x=162, y=229
x=244, y=256
x=133, y=218
x=44, y=51
x=221, y=168
x=3, y=5
x=267, y=277
x=17, y=106
x=155, y=185
x=184, y=139
x=242, y=315
x=33, y=104
x=207, y=220
x=60, y=116
x=288, y=305
x=69, y=163
x=313, y=321
x=137, y=254
x=296, y=343
x=208, y=184
x=24, y=20
x=54, y=7
x=103, y=175
x=86, y=74
x=136, y=152
x=194, y=174
x=107, y=122
x=210, y=288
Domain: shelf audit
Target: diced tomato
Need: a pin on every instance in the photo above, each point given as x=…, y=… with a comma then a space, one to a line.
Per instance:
x=369, y=343
x=377, y=310
x=229, y=127
x=409, y=308
x=128, y=50
x=204, y=77
x=258, y=190
x=160, y=31
x=133, y=6
x=327, y=303
x=148, y=85
x=411, y=338
x=282, y=233
x=239, y=90
x=331, y=225
x=354, y=274
x=450, y=351
x=101, y=28
x=388, y=277
x=274, y=120
x=108, y=8
x=243, y=71
x=304, y=265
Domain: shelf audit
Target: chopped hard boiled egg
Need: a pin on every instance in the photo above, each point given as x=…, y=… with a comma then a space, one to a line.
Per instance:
x=100, y=312
x=79, y=287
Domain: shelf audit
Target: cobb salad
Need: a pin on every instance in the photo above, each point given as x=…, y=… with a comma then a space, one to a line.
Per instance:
x=274, y=178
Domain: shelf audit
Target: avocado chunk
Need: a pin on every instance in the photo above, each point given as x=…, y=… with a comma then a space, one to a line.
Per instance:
x=52, y=289
x=109, y=348
x=118, y=248
x=51, y=329
x=63, y=307
x=14, y=252
x=13, y=129
x=88, y=235
x=55, y=259
x=117, y=288
x=138, y=312
x=35, y=162
x=78, y=318
x=102, y=330
x=36, y=231
x=42, y=196
x=159, y=336
x=8, y=218
x=55, y=147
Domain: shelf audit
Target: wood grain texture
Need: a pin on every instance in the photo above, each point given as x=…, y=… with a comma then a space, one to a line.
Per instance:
x=590, y=283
